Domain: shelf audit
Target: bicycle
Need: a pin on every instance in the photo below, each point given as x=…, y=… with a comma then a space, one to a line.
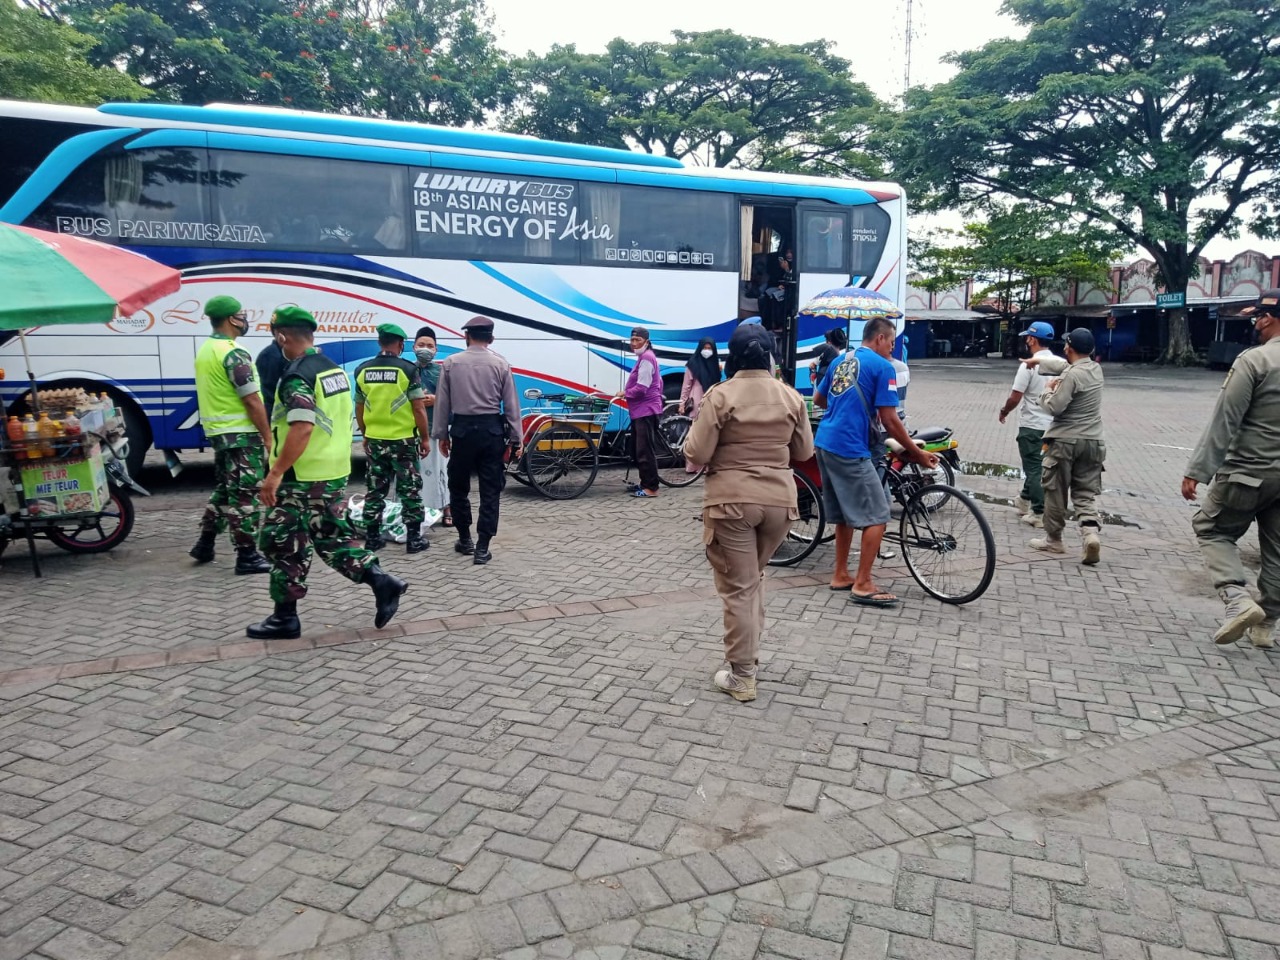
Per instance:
x=935, y=532
x=566, y=442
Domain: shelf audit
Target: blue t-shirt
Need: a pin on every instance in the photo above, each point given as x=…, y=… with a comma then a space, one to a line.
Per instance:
x=845, y=429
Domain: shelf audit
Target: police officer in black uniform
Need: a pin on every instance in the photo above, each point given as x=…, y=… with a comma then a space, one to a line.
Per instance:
x=477, y=416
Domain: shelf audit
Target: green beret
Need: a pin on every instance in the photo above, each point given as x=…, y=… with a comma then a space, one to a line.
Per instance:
x=390, y=330
x=293, y=317
x=221, y=307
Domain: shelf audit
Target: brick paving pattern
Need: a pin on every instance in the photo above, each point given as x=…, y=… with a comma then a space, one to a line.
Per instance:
x=531, y=763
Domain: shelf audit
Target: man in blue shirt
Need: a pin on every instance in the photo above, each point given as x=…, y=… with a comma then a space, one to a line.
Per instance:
x=859, y=391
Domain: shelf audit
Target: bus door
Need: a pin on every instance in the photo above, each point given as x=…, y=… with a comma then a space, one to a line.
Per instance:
x=768, y=283
x=822, y=258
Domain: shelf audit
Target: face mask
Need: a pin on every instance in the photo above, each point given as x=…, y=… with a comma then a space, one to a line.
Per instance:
x=424, y=354
x=707, y=354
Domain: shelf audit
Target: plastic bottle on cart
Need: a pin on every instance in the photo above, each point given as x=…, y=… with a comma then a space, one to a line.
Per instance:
x=71, y=424
x=48, y=431
x=17, y=438
x=31, y=434
x=110, y=414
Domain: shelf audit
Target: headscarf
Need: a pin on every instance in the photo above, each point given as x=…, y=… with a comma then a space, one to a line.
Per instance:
x=705, y=371
x=749, y=349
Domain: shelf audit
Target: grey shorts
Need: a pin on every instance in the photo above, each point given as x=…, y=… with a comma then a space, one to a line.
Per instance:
x=852, y=491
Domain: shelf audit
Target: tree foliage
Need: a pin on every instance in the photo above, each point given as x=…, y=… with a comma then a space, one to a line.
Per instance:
x=431, y=60
x=717, y=98
x=1156, y=119
x=41, y=59
x=1015, y=256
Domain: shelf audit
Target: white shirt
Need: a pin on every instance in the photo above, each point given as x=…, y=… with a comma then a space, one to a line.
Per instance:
x=1031, y=385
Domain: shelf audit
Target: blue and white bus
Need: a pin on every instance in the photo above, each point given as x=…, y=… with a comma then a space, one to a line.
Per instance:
x=366, y=221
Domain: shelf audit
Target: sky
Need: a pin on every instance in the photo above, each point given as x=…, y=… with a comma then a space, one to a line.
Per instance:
x=869, y=33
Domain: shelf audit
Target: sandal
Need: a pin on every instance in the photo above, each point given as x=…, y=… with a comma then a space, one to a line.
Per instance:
x=878, y=599
x=446, y=520
x=641, y=493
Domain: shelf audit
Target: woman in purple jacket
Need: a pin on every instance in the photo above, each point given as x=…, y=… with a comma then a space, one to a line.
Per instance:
x=644, y=402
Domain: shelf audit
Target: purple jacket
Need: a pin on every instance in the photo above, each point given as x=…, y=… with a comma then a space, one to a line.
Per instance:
x=644, y=387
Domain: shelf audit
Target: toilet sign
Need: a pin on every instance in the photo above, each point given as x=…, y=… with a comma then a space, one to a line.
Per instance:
x=1170, y=301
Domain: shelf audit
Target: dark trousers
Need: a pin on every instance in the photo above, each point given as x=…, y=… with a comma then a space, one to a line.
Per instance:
x=644, y=449
x=1029, y=445
x=477, y=447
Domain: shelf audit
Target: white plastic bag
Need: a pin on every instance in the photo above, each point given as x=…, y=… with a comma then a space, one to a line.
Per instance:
x=393, y=527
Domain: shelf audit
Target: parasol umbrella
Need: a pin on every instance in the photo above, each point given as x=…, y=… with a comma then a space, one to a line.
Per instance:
x=51, y=278
x=849, y=305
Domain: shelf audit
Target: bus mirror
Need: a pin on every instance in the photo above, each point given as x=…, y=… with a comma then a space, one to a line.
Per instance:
x=533, y=393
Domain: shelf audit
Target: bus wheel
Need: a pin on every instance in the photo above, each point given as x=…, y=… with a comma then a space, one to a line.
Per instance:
x=138, y=430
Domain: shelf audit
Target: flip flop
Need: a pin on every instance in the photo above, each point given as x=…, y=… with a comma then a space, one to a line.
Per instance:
x=878, y=599
x=834, y=589
x=446, y=520
x=641, y=493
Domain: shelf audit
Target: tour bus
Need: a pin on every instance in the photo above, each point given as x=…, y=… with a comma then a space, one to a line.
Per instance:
x=366, y=221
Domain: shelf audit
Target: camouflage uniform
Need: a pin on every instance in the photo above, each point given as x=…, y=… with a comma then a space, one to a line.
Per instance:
x=394, y=460
x=239, y=464
x=308, y=515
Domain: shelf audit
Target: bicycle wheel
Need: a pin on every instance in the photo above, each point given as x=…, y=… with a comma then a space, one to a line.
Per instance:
x=806, y=532
x=948, y=547
x=916, y=477
x=562, y=461
x=672, y=466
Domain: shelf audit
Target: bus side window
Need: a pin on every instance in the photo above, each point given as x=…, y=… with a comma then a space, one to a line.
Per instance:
x=134, y=196
x=824, y=248
x=309, y=203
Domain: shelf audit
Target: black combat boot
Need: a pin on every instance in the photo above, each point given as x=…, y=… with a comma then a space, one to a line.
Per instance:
x=482, y=554
x=203, y=551
x=465, y=544
x=416, y=543
x=373, y=539
x=387, y=591
x=281, y=625
x=249, y=560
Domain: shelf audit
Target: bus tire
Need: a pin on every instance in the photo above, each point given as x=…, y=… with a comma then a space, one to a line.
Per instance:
x=671, y=387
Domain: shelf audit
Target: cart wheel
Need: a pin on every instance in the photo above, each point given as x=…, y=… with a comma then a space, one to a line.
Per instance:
x=806, y=532
x=562, y=461
x=520, y=470
x=672, y=466
x=947, y=544
x=101, y=533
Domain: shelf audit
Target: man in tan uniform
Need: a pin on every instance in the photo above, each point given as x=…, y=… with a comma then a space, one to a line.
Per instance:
x=477, y=416
x=1239, y=457
x=1073, y=447
x=748, y=431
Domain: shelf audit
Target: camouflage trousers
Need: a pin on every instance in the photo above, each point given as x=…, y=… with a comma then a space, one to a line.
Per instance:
x=310, y=516
x=394, y=460
x=233, y=505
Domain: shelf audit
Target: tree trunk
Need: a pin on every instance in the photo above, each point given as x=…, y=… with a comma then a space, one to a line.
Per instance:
x=1178, y=351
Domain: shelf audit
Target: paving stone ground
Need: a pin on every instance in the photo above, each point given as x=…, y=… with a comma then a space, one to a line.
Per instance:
x=531, y=763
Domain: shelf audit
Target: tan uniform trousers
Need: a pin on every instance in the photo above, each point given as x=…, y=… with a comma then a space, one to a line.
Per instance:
x=1230, y=506
x=740, y=538
x=1072, y=468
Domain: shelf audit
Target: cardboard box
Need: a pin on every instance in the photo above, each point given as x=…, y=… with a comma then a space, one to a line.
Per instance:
x=71, y=485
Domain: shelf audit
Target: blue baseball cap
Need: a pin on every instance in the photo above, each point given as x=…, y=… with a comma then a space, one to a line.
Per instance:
x=1040, y=330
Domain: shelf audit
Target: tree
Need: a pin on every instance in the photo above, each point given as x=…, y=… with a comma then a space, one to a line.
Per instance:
x=717, y=98
x=41, y=59
x=1156, y=119
x=432, y=60
x=1015, y=256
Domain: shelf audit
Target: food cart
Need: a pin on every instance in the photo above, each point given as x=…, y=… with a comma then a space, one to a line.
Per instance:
x=62, y=474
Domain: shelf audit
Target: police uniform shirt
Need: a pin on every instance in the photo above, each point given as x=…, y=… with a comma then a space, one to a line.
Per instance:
x=475, y=382
x=1244, y=432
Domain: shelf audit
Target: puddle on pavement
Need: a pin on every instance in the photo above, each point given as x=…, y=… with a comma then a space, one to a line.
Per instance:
x=1108, y=519
x=974, y=468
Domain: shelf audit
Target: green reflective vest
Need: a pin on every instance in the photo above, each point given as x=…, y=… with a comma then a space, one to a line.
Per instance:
x=221, y=409
x=384, y=383
x=328, y=453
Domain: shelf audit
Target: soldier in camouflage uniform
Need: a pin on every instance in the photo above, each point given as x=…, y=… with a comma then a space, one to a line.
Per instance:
x=235, y=422
x=392, y=414
x=305, y=489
